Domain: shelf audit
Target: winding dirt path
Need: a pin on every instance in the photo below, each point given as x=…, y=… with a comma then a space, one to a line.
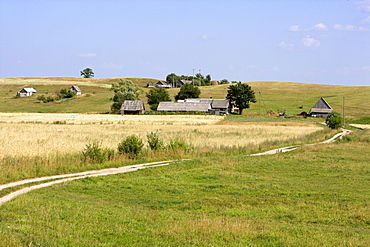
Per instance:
x=57, y=179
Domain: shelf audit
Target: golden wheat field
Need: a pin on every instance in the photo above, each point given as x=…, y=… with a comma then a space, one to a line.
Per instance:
x=42, y=134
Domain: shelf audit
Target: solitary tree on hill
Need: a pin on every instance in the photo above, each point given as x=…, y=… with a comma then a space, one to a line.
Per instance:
x=241, y=94
x=87, y=73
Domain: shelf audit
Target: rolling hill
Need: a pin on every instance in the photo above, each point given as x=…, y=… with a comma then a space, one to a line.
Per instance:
x=293, y=98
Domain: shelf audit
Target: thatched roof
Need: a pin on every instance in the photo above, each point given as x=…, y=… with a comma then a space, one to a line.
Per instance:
x=132, y=105
x=321, y=107
x=183, y=106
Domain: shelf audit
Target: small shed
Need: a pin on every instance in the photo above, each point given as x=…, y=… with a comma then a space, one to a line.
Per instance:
x=27, y=91
x=76, y=89
x=184, y=107
x=150, y=84
x=321, y=108
x=132, y=107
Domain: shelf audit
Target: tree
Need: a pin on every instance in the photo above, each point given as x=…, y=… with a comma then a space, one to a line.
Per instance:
x=224, y=81
x=157, y=95
x=173, y=78
x=188, y=91
x=334, y=120
x=87, y=73
x=241, y=94
x=124, y=90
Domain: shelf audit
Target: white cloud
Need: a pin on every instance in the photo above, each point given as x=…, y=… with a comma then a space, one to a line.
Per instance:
x=348, y=70
x=92, y=54
x=106, y=65
x=275, y=69
x=287, y=46
x=310, y=42
x=251, y=66
x=364, y=5
x=320, y=26
x=349, y=28
x=204, y=36
x=294, y=28
x=366, y=21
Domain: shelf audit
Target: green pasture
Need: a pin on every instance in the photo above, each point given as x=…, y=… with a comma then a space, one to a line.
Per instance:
x=293, y=98
x=314, y=196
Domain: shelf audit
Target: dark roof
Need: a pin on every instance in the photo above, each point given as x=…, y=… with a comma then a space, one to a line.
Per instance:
x=183, y=106
x=132, y=105
x=321, y=107
x=183, y=82
x=76, y=88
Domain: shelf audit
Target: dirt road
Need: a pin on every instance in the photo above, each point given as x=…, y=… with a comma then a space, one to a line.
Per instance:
x=57, y=179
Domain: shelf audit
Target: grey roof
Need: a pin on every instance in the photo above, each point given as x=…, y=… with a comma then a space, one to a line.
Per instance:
x=76, y=88
x=132, y=105
x=322, y=107
x=29, y=90
x=183, y=106
x=215, y=103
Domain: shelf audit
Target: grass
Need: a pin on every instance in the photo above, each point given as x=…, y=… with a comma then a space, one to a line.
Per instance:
x=291, y=97
x=315, y=196
x=43, y=144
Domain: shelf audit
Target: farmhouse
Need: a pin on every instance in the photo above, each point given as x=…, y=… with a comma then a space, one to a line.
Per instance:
x=132, y=107
x=164, y=84
x=25, y=92
x=184, y=107
x=321, y=108
x=218, y=106
x=183, y=82
x=76, y=89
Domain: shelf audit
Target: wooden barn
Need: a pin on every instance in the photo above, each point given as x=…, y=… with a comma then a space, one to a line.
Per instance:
x=184, y=107
x=76, y=89
x=321, y=108
x=25, y=92
x=132, y=107
x=218, y=106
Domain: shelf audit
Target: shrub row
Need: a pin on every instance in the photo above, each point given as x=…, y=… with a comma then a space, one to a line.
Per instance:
x=133, y=146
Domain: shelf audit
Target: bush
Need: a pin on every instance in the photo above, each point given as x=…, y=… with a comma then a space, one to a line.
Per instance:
x=94, y=153
x=155, y=143
x=179, y=144
x=45, y=99
x=64, y=93
x=131, y=145
x=334, y=120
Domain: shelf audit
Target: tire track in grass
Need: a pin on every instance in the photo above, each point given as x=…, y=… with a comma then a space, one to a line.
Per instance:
x=57, y=179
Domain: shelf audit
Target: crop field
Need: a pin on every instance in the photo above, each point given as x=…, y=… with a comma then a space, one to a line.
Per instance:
x=48, y=134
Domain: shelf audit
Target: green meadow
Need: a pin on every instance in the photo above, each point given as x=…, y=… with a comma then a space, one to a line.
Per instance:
x=293, y=98
x=314, y=196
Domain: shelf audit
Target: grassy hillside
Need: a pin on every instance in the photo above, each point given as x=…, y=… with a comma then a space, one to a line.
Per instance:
x=284, y=96
x=311, y=197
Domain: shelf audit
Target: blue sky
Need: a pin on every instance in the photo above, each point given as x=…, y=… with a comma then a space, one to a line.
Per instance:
x=311, y=41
